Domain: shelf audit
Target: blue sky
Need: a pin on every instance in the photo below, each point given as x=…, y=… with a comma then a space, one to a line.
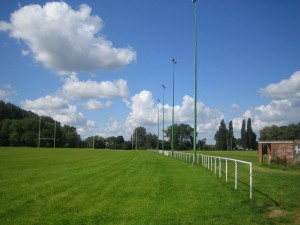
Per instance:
x=100, y=65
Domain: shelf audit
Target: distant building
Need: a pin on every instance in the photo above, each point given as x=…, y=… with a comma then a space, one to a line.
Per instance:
x=279, y=152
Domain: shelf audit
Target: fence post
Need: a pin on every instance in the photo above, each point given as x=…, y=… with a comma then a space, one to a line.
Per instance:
x=236, y=171
x=226, y=170
x=250, y=180
x=220, y=167
x=208, y=162
x=215, y=164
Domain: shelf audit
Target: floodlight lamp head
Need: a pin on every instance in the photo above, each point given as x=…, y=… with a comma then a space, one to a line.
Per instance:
x=194, y=1
x=163, y=86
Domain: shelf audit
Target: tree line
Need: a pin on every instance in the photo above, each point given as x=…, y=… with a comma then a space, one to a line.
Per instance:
x=19, y=127
x=182, y=133
x=97, y=142
x=183, y=138
x=225, y=139
x=290, y=132
x=141, y=139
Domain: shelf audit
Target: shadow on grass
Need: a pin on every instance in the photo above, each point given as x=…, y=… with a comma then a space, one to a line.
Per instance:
x=256, y=190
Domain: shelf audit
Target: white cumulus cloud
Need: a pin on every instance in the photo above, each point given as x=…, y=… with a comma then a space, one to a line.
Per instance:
x=285, y=89
x=144, y=112
x=57, y=108
x=283, y=108
x=76, y=89
x=65, y=39
x=46, y=103
x=94, y=104
x=114, y=128
x=7, y=92
x=235, y=107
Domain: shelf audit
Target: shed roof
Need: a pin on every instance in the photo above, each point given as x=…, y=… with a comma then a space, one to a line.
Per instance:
x=276, y=142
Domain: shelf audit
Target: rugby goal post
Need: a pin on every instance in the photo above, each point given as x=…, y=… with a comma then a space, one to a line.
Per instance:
x=46, y=138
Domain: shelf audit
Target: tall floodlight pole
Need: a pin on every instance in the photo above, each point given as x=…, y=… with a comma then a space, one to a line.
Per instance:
x=158, y=124
x=195, y=88
x=172, y=143
x=164, y=87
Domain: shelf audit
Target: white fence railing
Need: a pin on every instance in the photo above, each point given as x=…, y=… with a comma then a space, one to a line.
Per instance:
x=214, y=163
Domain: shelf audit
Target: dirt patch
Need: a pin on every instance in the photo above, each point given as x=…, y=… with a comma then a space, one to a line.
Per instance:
x=297, y=220
x=277, y=213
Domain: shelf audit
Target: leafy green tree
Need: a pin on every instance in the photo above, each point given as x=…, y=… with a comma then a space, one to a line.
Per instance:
x=29, y=131
x=19, y=127
x=290, y=132
x=119, y=141
x=14, y=139
x=111, y=142
x=115, y=142
x=244, y=135
x=127, y=145
x=231, y=139
x=4, y=132
x=251, y=136
x=29, y=139
x=151, y=141
x=182, y=136
x=202, y=144
x=139, y=137
x=72, y=139
x=88, y=142
x=99, y=142
x=221, y=136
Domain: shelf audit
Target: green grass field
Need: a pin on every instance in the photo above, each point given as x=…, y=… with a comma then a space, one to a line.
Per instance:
x=72, y=186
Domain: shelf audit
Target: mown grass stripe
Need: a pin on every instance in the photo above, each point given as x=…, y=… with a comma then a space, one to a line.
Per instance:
x=71, y=186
